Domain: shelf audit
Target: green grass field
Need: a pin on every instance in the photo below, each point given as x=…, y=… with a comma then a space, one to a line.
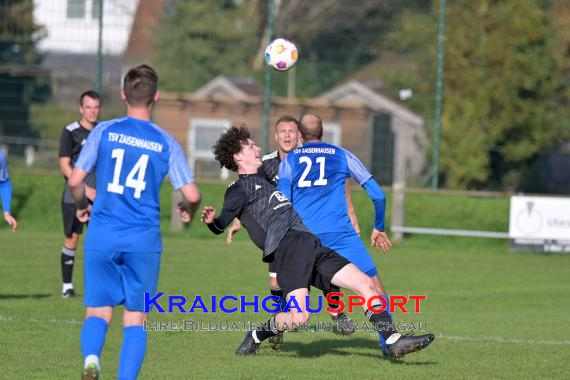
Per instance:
x=495, y=314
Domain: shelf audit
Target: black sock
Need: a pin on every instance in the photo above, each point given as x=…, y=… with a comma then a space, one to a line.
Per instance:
x=67, y=261
x=332, y=306
x=268, y=329
x=279, y=293
x=382, y=322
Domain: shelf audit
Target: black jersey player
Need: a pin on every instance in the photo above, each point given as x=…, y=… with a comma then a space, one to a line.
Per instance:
x=72, y=139
x=301, y=261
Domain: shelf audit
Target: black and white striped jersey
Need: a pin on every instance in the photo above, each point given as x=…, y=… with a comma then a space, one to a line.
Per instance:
x=264, y=211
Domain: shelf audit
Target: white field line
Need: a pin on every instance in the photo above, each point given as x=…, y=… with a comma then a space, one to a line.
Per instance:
x=485, y=338
x=34, y=320
x=498, y=339
x=448, y=232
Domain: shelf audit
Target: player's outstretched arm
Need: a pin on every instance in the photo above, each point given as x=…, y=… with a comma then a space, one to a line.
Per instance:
x=361, y=175
x=234, y=228
x=11, y=220
x=379, y=239
x=216, y=225
x=208, y=215
x=188, y=207
x=234, y=201
x=377, y=197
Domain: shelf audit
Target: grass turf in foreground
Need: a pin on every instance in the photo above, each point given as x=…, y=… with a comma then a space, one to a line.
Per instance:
x=495, y=314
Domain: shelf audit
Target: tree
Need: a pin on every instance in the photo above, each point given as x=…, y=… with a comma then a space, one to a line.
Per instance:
x=201, y=39
x=20, y=80
x=501, y=88
x=335, y=37
x=19, y=34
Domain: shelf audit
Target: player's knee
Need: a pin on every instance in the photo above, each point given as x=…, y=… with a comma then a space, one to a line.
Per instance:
x=133, y=318
x=105, y=313
x=367, y=287
x=300, y=319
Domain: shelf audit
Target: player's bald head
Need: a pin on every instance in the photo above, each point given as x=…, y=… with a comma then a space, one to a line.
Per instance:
x=311, y=127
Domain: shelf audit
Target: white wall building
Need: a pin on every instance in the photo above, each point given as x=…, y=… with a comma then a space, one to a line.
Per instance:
x=73, y=25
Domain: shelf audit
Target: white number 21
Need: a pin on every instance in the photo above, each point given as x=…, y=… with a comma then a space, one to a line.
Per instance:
x=137, y=171
x=321, y=181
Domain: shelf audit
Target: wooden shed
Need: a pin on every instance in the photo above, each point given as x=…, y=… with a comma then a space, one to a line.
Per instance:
x=397, y=135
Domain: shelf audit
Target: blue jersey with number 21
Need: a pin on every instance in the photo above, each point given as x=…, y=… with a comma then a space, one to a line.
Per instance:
x=132, y=158
x=314, y=178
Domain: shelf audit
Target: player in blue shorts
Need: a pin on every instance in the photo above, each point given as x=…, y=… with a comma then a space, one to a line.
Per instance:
x=132, y=155
x=313, y=177
x=6, y=191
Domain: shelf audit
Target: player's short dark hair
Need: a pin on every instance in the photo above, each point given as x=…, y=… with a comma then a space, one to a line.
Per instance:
x=287, y=119
x=313, y=132
x=229, y=144
x=90, y=94
x=140, y=85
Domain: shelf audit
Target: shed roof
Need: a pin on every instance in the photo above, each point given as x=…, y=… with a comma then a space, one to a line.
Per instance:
x=369, y=94
x=232, y=87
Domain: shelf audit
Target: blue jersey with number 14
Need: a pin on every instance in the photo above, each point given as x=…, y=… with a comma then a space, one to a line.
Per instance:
x=132, y=157
x=314, y=178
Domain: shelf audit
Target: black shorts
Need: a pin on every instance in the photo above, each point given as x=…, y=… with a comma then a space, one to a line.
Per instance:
x=301, y=261
x=70, y=222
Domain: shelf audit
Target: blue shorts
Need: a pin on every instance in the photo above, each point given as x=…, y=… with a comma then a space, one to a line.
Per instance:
x=349, y=245
x=115, y=278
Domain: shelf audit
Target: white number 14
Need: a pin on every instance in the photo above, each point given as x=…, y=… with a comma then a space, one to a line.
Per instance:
x=137, y=171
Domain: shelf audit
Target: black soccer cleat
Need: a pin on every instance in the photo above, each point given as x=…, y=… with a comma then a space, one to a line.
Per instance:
x=248, y=346
x=69, y=293
x=276, y=341
x=344, y=324
x=407, y=344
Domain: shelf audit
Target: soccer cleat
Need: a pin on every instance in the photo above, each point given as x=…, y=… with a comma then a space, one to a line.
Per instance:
x=248, y=346
x=91, y=372
x=68, y=293
x=407, y=344
x=276, y=341
x=344, y=324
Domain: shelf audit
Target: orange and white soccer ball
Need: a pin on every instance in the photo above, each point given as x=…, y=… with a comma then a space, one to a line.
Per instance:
x=281, y=54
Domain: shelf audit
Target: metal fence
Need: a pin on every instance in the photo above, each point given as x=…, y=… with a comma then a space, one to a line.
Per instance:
x=53, y=50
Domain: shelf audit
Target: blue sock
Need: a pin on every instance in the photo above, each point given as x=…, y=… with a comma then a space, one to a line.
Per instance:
x=382, y=340
x=132, y=352
x=93, y=336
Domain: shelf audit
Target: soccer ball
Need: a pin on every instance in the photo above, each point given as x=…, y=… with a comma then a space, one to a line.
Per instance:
x=281, y=54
